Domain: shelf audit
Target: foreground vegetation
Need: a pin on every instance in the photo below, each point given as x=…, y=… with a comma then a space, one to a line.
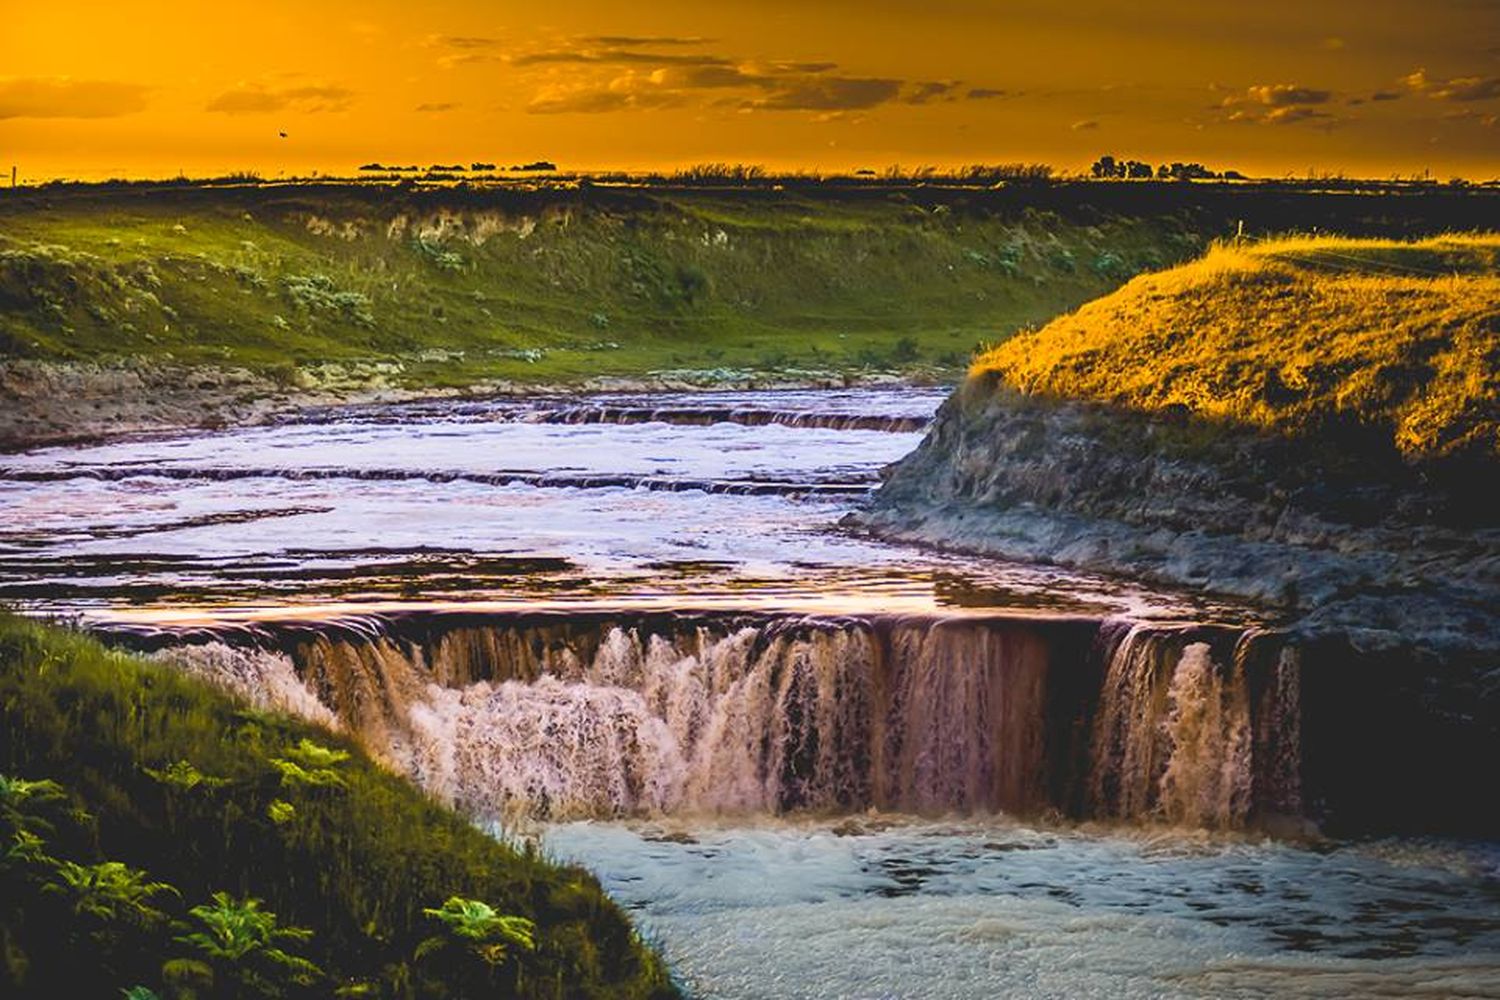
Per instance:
x=1356, y=339
x=158, y=839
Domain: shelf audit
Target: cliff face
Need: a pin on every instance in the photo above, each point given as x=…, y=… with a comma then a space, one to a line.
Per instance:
x=1215, y=427
x=1308, y=531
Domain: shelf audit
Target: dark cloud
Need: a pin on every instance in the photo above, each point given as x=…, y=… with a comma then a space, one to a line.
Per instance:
x=253, y=99
x=1458, y=88
x=803, y=67
x=1282, y=95
x=827, y=93
x=632, y=92
x=1386, y=95
x=1288, y=114
x=986, y=93
x=1278, y=104
x=648, y=79
x=438, y=108
x=930, y=90
x=706, y=77
x=66, y=98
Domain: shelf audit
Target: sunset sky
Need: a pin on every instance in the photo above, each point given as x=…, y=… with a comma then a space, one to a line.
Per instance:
x=1268, y=87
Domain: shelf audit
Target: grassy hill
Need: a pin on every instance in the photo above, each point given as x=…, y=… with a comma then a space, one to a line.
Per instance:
x=157, y=836
x=450, y=286
x=1301, y=336
x=440, y=285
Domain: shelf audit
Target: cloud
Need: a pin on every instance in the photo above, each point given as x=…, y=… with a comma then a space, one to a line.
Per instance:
x=633, y=76
x=1281, y=95
x=1458, y=88
x=62, y=97
x=986, y=93
x=826, y=93
x=931, y=90
x=645, y=72
x=1294, y=113
x=1087, y=125
x=1332, y=43
x=254, y=99
x=1386, y=95
x=1278, y=104
x=438, y=107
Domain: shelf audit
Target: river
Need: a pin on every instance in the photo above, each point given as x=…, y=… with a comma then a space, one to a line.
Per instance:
x=810, y=763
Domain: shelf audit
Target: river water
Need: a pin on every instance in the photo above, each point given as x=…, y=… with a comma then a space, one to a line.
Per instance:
x=774, y=833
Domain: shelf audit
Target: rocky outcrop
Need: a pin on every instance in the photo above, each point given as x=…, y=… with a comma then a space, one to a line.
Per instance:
x=1338, y=539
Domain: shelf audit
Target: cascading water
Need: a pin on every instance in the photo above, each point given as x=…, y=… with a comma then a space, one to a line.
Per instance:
x=598, y=609
x=578, y=717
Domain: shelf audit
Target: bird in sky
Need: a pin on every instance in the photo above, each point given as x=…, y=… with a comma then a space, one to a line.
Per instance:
x=282, y=134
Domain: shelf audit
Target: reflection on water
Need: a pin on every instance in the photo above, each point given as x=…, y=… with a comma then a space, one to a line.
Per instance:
x=887, y=907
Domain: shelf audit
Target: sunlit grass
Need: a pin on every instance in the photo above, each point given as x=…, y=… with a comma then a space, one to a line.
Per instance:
x=1297, y=335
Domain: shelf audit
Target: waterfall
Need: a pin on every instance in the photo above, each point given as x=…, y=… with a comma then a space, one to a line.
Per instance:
x=1178, y=736
x=576, y=716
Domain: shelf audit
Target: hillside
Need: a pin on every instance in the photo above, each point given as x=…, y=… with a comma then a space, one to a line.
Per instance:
x=1298, y=336
x=162, y=837
x=135, y=305
x=449, y=286
x=1301, y=423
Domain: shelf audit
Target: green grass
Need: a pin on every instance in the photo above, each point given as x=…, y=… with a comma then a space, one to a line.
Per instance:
x=455, y=288
x=173, y=792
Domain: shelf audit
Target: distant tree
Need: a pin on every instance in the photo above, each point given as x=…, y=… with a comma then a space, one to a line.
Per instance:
x=1136, y=170
x=1185, y=172
x=1105, y=166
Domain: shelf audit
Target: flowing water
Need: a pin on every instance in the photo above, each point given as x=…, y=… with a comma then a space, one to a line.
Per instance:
x=813, y=764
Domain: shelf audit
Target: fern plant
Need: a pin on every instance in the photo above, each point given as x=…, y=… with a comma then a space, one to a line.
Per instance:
x=242, y=944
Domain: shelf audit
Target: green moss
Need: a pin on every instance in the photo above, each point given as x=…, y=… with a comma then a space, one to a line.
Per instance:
x=176, y=793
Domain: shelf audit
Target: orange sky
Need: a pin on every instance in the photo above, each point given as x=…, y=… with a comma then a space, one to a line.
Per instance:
x=1271, y=87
